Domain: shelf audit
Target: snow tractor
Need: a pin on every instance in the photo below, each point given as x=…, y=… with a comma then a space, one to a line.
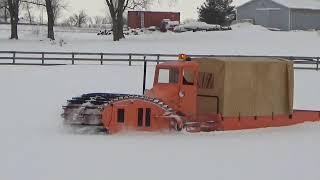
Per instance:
x=199, y=95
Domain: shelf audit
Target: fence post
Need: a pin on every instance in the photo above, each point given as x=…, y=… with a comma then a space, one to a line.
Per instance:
x=144, y=74
x=72, y=59
x=101, y=58
x=130, y=59
x=42, y=58
x=158, y=59
x=291, y=58
x=318, y=63
x=13, y=57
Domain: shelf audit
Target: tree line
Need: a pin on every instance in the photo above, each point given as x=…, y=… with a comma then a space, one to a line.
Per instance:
x=11, y=10
x=211, y=11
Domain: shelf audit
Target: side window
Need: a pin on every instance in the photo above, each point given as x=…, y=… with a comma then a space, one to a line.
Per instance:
x=120, y=115
x=206, y=80
x=164, y=76
x=188, y=77
x=167, y=76
x=147, y=120
x=140, y=117
x=148, y=117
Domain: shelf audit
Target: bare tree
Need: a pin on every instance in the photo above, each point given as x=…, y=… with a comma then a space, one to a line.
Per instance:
x=68, y=22
x=14, y=17
x=28, y=8
x=4, y=10
x=98, y=20
x=90, y=21
x=140, y=4
x=50, y=15
x=79, y=19
x=117, y=9
x=58, y=6
x=48, y=4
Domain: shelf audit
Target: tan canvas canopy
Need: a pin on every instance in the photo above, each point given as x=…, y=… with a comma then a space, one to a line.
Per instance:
x=245, y=86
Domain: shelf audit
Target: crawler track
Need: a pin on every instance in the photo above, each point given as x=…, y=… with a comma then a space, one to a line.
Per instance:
x=84, y=113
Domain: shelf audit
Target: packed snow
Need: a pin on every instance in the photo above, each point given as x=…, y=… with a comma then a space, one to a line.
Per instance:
x=244, y=39
x=35, y=145
x=196, y=26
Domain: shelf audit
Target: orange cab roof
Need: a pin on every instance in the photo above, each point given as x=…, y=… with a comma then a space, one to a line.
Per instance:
x=177, y=64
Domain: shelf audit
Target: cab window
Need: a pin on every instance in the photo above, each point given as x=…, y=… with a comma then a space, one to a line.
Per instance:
x=188, y=77
x=168, y=76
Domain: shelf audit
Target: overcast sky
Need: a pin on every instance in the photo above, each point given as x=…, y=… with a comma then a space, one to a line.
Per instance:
x=188, y=8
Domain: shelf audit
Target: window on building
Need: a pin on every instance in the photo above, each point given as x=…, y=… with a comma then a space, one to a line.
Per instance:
x=120, y=115
x=140, y=117
x=148, y=117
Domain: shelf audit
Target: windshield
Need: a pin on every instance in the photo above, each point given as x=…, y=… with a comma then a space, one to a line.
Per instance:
x=168, y=76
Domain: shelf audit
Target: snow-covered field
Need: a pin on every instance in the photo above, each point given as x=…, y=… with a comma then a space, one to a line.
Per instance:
x=245, y=39
x=34, y=145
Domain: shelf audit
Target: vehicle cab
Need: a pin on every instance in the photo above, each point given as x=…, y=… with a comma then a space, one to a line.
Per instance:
x=175, y=83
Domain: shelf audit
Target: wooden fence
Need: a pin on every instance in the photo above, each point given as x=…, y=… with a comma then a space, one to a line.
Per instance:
x=72, y=58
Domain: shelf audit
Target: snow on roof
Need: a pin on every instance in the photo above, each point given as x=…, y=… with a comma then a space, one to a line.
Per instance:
x=293, y=4
x=240, y=2
x=300, y=4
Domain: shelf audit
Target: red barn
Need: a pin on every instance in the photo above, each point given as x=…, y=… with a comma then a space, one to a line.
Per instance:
x=144, y=19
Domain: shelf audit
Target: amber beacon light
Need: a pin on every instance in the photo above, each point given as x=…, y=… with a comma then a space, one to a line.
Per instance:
x=184, y=57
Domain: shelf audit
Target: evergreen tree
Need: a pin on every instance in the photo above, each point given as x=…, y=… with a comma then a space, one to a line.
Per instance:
x=215, y=11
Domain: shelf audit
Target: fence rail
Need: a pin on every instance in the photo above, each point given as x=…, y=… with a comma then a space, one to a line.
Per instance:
x=66, y=58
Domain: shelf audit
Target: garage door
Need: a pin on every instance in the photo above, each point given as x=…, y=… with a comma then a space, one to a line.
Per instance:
x=262, y=17
x=267, y=17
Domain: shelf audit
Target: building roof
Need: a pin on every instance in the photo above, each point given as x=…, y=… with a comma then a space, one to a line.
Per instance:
x=294, y=4
x=300, y=4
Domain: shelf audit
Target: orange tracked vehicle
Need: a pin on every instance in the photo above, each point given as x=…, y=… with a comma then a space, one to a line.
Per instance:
x=197, y=95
